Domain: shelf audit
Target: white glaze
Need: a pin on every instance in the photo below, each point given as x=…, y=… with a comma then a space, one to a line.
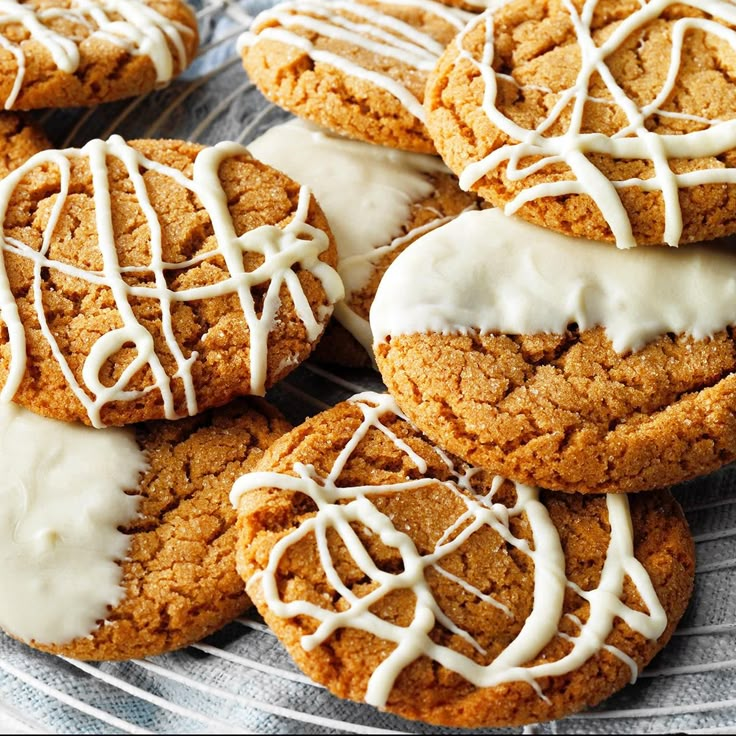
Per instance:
x=413, y=641
x=633, y=141
x=297, y=244
x=376, y=32
x=140, y=30
x=62, y=499
x=385, y=182
x=488, y=272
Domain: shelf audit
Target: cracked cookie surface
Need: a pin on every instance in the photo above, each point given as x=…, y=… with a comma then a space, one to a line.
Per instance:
x=594, y=123
x=21, y=138
x=397, y=575
x=179, y=577
x=562, y=362
x=156, y=279
x=358, y=68
x=566, y=411
x=69, y=53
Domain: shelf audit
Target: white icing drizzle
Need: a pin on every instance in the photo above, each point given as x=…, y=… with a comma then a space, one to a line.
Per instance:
x=338, y=506
x=633, y=141
x=491, y=273
x=130, y=24
x=62, y=500
x=377, y=32
x=338, y=170
x=298, y=244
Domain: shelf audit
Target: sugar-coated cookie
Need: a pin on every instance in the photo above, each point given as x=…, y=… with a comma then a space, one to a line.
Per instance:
x=155, y=279
x=357, y=67
x=610, y=120
x=119, y=543
x=397, y=575
x=83, y=52
x=20, y=138
x=560, y=362
x=377, y=200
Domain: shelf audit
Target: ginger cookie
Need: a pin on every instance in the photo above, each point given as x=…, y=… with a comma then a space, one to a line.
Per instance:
x=397, y=575
x=68, y=53
x=612, y=120
x=20, y=138
x=155, y=279
x=357, y=67
x=377, y=200
x=119, y=543
x=561, y=362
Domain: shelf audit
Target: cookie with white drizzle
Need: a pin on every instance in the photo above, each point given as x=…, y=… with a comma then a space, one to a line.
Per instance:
x=357, y=67
x=609, y=119
x=84, y=52
x=156, y=279
x=402, y=196
x=562, y=362
x=138, y=519
x=398, y=575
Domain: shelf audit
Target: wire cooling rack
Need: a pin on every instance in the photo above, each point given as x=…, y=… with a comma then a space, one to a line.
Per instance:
x=241, y=680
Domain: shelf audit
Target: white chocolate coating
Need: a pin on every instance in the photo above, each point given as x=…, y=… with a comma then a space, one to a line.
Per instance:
x=413, y=641
x=634, y=141
x=491, y=273
x=62, y=499
x=297, y=244
x=140, y=30
x=341, y=172
x=376, y=32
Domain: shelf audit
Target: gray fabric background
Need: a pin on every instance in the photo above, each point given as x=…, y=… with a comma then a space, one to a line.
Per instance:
x=691, y=686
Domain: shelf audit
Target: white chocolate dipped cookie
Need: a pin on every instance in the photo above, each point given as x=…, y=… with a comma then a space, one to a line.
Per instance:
x=610, y=119
x=377, y=200
x=119, y=543
x=358, y=67
x=83, y=52
x=399, y=576
x=155, y=279
x=561, y=362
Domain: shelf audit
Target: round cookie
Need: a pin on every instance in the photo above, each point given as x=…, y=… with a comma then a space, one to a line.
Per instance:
x=20, y=138
x=156, y=279
x=561, y=362
x=612, y=123
x=71, y=52
x=357, y=67
x=125, y=550
x=377, y=200
x=397, y=575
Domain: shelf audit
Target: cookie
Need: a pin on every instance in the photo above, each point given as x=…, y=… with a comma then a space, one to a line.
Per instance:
x=74, y=52
x=357, y=67
x=472, y=5
x=377, y=201
x=20, y=138
x=122, y=544
x=397, y=575
x=612, y=120
x=155, y=279
x=561, y=362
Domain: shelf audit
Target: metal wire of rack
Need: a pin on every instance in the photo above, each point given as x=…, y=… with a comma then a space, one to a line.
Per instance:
x=241, y=680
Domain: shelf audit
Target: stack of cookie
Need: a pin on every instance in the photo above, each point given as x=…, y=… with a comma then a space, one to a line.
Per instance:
x=141, y=282
x=399, y=544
